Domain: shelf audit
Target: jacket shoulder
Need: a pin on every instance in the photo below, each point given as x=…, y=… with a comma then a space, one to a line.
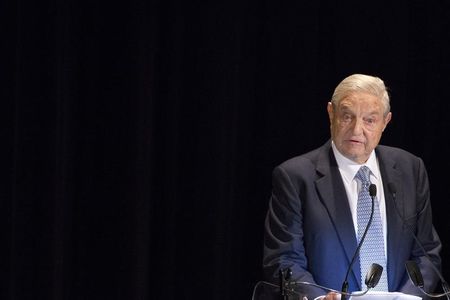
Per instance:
x=396, y=153
x=305, y=163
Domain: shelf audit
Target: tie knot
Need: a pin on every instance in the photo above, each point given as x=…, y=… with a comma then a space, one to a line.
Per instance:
x=363, y=175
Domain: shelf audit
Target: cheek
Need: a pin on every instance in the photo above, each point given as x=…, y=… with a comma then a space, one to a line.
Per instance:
x=342, y=127
x=374, y=138
x=337, y=128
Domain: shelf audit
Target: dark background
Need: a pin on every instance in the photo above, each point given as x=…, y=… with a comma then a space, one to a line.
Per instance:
x=138, y=137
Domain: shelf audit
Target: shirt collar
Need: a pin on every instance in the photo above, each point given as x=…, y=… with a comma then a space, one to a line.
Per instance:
x=349, y=168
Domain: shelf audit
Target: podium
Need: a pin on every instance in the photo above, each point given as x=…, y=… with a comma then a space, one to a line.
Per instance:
x=268, y=291
x=375, y=295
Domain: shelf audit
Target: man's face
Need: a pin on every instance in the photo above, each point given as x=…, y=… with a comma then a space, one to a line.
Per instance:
x=357, y=124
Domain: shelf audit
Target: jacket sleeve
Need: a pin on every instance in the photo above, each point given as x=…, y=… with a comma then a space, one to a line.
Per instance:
x=420, y=223
x=283, y=235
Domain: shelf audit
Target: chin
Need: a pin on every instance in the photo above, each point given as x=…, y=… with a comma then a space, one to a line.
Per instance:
x=354, y=157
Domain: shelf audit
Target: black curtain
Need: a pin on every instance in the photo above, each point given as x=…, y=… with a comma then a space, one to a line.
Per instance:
x=138, y=137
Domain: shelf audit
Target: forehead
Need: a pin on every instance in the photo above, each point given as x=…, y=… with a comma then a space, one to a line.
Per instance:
x=361, y=101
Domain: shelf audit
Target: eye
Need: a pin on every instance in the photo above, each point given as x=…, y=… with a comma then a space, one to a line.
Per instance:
x=346, y=117
x=370, y=121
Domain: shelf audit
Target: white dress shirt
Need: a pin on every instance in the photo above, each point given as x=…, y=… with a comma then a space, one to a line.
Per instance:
x=348, y=170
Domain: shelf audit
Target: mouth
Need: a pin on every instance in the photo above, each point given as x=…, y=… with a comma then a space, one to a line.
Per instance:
x=355, y=142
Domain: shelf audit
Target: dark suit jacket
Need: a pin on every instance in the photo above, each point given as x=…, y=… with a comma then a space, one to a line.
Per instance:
x=309, y=226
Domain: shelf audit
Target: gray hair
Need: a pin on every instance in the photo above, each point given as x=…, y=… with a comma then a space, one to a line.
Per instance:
x=362, y=83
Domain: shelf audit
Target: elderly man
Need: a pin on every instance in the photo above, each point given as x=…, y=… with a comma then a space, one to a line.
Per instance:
x=318, y=211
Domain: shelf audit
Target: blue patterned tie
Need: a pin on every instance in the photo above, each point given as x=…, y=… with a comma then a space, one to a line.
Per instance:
x=372, y=249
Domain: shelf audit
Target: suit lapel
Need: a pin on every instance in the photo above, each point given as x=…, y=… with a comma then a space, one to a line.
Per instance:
x=334, y=197
x=390, y=174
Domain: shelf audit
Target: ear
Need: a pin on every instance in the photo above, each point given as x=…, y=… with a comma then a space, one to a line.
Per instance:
x=330, y=110
x=387, y=119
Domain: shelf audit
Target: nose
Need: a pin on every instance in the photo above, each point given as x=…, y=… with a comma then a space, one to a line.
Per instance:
x=358, y=126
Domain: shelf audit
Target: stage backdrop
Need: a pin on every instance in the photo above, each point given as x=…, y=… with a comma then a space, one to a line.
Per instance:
x=138, y=137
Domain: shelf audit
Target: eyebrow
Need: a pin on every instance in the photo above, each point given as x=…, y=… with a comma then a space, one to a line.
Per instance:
x=347, y=108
